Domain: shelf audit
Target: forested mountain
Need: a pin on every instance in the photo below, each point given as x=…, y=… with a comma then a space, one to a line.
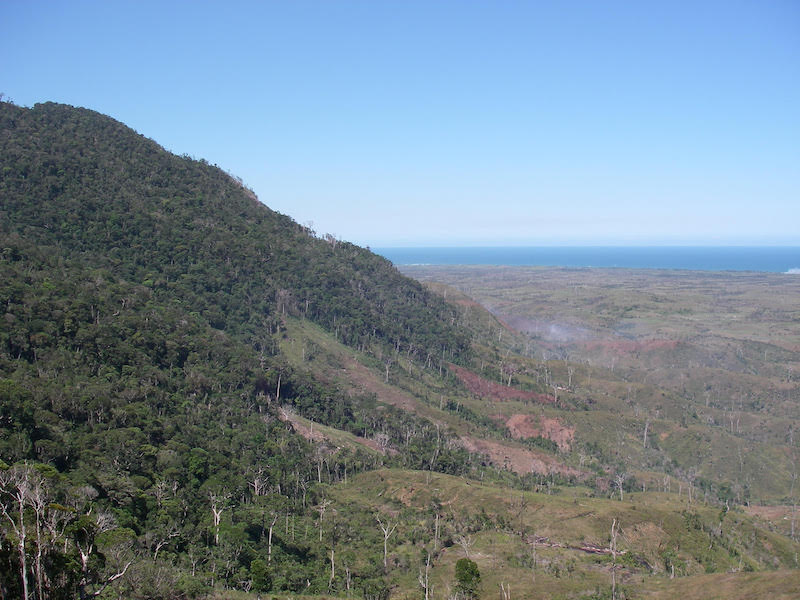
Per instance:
x=200, y=397
x=142, y=297
x=91, y=191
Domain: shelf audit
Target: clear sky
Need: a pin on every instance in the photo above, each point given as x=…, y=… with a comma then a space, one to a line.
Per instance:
x=437, y=122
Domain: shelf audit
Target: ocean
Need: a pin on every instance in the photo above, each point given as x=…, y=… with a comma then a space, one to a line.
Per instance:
x=773, y=259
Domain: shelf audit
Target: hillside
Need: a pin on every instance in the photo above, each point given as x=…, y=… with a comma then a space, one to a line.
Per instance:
x=200, y=397
x=705, y=361
x=144, y=296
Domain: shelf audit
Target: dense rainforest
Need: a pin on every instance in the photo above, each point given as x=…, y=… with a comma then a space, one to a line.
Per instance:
x=142, y=295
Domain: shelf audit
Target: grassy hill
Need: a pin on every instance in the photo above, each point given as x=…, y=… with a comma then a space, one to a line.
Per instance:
x=704, y=361
x=547, y=546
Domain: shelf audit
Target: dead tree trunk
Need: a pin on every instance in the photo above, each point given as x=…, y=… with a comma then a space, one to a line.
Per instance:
x=387, y=532
x=614, y=533
x=269, y=538
x=423, y=577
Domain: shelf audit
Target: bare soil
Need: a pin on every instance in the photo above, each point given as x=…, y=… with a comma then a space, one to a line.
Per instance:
x=495, y=391
x=316, y=434
x=519, y=460
x=528, y=426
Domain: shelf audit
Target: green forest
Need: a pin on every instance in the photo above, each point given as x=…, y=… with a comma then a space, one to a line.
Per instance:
x=142, y=295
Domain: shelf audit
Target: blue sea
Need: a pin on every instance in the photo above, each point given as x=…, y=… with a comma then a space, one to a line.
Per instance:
x=774, y=259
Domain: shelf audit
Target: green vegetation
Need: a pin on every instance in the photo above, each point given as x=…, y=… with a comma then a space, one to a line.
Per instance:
x=706, y=363
x=468, y=577
x=144, y=299
x=201, y=398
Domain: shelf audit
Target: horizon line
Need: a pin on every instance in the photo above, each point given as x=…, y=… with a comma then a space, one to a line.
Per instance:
x=580, y=245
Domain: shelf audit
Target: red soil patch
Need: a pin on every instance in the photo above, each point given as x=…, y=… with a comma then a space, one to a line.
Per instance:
x=519, y=460
x=466, y=302
x=315, y=435
x=493, y=390
x=527, y=426
x=631, y=346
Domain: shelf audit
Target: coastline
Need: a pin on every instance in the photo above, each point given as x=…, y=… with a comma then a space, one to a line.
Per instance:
x=769, y=259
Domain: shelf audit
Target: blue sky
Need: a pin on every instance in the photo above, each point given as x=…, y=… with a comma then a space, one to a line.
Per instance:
x=452, y=122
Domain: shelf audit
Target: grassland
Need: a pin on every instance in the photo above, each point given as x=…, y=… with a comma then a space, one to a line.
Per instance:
x=559, y=545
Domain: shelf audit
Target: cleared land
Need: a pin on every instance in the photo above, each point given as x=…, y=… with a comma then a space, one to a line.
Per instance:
x=679, y=412
x=703, y=365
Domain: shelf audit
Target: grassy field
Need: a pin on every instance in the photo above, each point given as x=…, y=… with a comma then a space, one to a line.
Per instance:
x=558, y=546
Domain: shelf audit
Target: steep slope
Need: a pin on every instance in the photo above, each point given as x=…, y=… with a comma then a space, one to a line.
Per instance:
x=91, y=190
x=143, y=297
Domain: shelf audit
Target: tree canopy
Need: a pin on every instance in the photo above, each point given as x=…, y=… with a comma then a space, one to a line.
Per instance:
x=143, y=295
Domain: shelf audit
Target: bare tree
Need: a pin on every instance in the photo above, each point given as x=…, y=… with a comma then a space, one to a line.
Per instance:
x=283, y=299
x=321, y=508
x=269, y=537
x=436, y=532
x=217, y=507
x=387, y=532
x=348, y=579
x=423, y=577
x=505, y=592
x=26, y=505
x=614, y=533
x=691, y=475
x=619, y=479
x=333, y=568
x=16, y=486
x=387, y=364
x=39, y=500
x=508, y=369
x=383, y=440
x=163, y=540
x=259, y=481
x=89, y=526
x=466, y=542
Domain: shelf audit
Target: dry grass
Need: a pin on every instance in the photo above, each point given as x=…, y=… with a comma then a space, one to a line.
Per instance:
x=772, y=585
x=570, y=536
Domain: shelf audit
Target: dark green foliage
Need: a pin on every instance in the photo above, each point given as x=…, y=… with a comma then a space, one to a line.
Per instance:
x=262, y=580
x=141, y=298
x=375, y=589
x=468, y=577
x=85, y=188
